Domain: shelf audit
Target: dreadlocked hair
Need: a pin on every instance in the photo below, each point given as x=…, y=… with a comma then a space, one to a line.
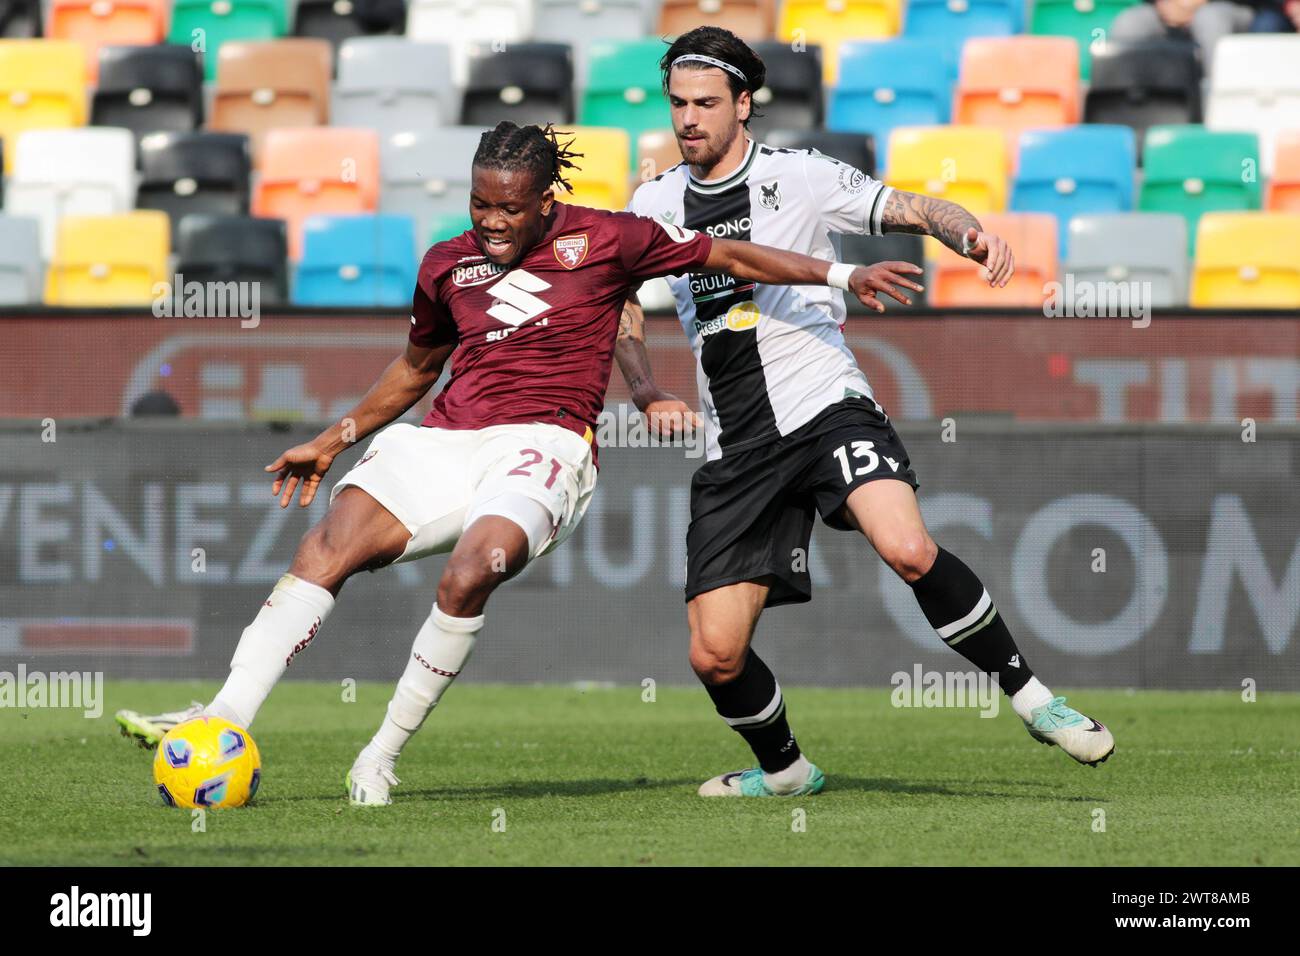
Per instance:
x=535, y=148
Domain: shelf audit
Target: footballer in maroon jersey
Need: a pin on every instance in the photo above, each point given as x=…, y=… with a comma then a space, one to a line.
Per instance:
x=526, y=306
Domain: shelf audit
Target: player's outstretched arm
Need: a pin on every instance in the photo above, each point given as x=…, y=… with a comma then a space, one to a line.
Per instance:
x=952, y=225
x=401, y=385
x=749, y=260
x=668, y=415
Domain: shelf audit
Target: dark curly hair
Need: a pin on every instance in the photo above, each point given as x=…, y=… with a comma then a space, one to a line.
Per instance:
x=534, y=148
x=721, y=45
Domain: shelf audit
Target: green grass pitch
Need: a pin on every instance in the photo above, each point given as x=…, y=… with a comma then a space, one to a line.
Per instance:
x=597, y=776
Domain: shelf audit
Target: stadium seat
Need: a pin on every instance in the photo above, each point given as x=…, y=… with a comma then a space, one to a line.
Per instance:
x=1191, y=170
x=1144, y=247
x=394, y=85
x=1018, y=83
x=217, y=248
x=463, y=24
x=184, y=174
x=312, y=170
x=42, y=86
x=1255, y=86
x=20, y=19
x=580, y=21
x=602, y=181
x=827, y=22
x=427, y=175
x=526, y=83
x=71, y=172
x=791, y=95
x=896, y=247
x=656, y=152
x=339, y=20
x=623, y=88
x=957, y=282
x=357, y=261
x=217, y=21
x=149, y=89
x=1080, y=19
x=108, y=260
x=1144, y=84
x=21, y=272
x=748, y=19
x=1247, y=260
x=955, y=21
x=890, y=83
x=447, y=226
x=856, y=149
x=271, y=84
x=1284, y=185
x=963, y=164
x=1081, y=169
x=97, y=23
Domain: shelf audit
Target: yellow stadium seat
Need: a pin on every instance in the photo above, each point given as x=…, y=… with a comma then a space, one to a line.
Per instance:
x=42, y=86
x=1247, y=260
x=108, y=260
x=829, y=22
x=958, y=282
x=963, y=164
x=602, y=183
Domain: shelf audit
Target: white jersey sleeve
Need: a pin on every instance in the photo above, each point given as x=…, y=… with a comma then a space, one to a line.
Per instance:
x=850, y=201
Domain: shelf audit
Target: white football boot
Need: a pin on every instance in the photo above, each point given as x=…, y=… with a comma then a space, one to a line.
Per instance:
x=368, y=782
x=148, y=729
x=1086, y=740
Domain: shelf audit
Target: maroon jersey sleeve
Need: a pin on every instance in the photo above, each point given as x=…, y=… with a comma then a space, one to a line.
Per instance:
x=431, y=321
x=652, y=248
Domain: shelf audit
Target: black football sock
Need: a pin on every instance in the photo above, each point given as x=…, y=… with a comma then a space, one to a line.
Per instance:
x=754, y=708
x=961, y=611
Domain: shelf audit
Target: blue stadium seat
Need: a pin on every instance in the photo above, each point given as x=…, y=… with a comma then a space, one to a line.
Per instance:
x=955, y=21
x=360, y=261
x=1076, y=170
x=889, y=83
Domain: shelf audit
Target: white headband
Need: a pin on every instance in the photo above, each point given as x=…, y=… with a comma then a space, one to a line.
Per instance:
x=712, y=61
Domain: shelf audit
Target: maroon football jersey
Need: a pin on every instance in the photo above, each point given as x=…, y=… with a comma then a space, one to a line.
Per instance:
x=534, y=343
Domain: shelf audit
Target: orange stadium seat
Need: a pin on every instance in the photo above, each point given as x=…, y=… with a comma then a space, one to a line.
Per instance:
x=42, y=86
x=1247, y=260
x=748, y=19
x=602, y=182
x=827, y=22
x=1018, y=83
x=656, y=152
x=964, y=164
x=108, y=260
x=96, y=23
x=271, y=84
x=313, y=170
x=956, y=281
x=1284, y=186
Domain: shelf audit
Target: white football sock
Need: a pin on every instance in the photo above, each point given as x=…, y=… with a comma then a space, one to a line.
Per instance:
x=1032, y=695
x=791, y=778
x=439, y=653
x=288, y=621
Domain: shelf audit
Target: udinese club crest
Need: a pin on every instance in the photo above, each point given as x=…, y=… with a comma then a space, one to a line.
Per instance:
x=570, y=251
x=770, y=196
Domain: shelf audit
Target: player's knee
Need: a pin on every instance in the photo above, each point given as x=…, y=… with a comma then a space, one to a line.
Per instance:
x=465, y=585
x=910, y=554
x=717, y=661
x=322, y=558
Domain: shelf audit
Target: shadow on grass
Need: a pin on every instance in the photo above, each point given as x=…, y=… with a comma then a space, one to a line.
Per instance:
x=951, y=788
x=521, y=790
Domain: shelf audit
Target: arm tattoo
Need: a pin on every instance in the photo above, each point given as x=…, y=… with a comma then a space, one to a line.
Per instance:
x=927, y=216
x=628, y=325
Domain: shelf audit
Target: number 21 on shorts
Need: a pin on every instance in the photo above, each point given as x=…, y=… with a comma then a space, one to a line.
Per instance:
x=532, y=457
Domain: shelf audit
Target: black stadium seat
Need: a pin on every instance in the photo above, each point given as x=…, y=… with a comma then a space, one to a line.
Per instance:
x=897, y=247
x=187, y=173
x=526, y=83
x=856, y=149
x=149, y=89
x=338, y=20
x=792, y=95
x=1143, y=84
x=20, y=19
x=236, y=249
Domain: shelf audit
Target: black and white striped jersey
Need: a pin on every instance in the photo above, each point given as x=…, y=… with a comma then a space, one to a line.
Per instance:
x=768, y=358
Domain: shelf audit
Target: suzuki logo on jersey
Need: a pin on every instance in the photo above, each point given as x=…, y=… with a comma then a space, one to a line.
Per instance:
x=770, y=197
x=516, y=303
x=476, y=274
x=730, y=227
x=570, y=250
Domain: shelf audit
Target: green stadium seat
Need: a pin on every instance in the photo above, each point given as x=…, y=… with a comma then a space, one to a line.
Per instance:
x=1080, y=19
x=623, y=88
x=203, y=25
x=1191, y=170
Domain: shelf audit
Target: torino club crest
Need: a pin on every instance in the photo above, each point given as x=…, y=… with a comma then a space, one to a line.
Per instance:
x=570, y=251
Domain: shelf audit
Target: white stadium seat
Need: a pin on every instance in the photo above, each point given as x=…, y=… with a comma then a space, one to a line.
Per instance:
x=1255, y=86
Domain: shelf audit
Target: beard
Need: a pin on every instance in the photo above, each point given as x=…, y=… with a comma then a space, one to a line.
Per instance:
x=707, y=152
